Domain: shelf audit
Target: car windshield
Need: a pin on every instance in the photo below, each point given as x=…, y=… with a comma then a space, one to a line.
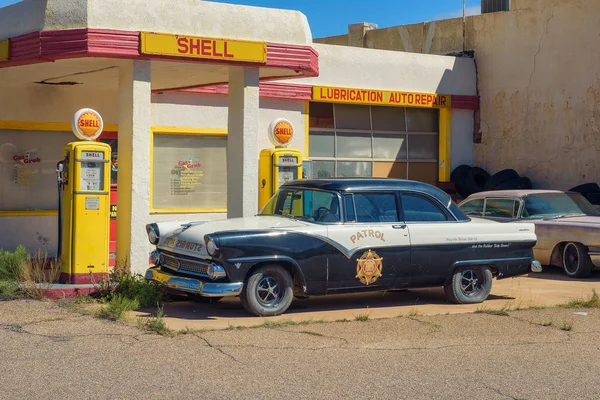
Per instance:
x=304, y=204
x=556, y=205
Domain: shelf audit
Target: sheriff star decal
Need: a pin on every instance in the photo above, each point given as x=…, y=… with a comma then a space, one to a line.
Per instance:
x=368, y=267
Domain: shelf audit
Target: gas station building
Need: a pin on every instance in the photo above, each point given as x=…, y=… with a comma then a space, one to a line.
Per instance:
x=190, y=93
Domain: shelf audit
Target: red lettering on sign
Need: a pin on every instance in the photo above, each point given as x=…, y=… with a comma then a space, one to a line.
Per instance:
x=225, y=52
x=418, y=99
x=206, y=50
x=194, y=45
x=344, y=94
x=443, y=100
x=182, y=44
x=215, y=53
x=411, y=98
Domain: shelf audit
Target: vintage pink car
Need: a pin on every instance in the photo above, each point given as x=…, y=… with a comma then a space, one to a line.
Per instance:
x=566, y=224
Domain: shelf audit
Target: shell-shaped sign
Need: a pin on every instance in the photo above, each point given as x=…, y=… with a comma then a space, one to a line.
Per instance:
x=87, y=124
x=281, y=132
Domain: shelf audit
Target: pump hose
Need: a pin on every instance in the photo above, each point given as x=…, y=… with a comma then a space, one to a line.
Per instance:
x=58, y=172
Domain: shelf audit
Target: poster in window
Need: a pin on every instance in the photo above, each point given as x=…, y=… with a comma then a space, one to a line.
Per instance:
x=28, y=168
x=189, y=172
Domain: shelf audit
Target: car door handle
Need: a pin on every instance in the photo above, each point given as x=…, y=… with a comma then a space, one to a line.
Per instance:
x=402, y=226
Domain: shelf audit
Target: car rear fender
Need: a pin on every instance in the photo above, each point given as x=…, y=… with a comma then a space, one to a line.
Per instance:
x=501, y=267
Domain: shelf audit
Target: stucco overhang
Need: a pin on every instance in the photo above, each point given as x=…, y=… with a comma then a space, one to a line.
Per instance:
x=355, y=67
x=54, y=40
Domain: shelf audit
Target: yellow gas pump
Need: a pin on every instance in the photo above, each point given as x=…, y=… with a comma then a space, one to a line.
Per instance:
x=280, y=164
x=277, y=166
x=84, y=209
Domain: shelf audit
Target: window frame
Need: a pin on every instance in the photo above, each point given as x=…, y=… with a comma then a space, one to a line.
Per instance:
x=482, y=199
x=175, y=131
x=337, y=194
x=405, y=132
x=450, y=218
x=351, y=193
x=514, y=199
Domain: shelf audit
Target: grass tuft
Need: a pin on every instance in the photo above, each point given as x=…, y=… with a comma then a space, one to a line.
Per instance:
x=117, y=307
x=361, y=317
x=413, y=313
x=501, y=312
x=9, y=290
x=156, y=323
x=566, y=326
x=342, y=320
x=592, y=302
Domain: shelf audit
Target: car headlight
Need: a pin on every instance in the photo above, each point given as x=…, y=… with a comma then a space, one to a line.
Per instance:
x=153, y=233
x=215, y=271
x=155, y=257
x=211, y=247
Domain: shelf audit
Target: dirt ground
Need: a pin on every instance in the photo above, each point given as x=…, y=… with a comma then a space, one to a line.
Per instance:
x=50, y=352
x=547, y=288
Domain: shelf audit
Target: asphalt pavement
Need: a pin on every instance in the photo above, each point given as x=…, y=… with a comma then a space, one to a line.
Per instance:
x=49, y=352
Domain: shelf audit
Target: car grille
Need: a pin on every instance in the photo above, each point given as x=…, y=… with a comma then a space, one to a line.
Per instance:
x=179, y=264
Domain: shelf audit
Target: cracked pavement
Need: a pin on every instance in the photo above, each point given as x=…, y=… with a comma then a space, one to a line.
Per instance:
x=50, y=352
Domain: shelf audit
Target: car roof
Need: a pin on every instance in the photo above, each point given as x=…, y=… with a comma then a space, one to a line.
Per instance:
x=352, y=184
x=511, y=193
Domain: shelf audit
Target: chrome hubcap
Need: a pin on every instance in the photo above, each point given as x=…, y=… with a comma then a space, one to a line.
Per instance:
x=268, y=292
x=470, y=283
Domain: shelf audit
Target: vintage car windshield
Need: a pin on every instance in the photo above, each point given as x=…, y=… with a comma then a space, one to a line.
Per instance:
x=304, y=204
x=553, y=205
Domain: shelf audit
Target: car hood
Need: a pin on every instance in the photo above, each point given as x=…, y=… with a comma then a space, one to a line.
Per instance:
x=188, y=238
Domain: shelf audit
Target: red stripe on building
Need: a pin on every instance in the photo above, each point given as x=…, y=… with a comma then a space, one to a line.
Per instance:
x=465, y=102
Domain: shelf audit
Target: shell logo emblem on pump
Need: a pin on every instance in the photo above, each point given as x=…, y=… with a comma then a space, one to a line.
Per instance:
x=281, y=132
x=87, y=124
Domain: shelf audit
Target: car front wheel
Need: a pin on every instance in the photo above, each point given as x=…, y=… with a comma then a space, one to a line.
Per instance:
x=576, y=261
x=268, y=291
x=469, y=285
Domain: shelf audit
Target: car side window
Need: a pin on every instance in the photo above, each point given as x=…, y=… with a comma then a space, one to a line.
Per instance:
x=473, y=207
x=501, y=208
x=373, y=207
x=419, y=209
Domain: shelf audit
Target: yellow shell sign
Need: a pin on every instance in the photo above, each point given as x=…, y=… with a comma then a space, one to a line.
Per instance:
x=281, y=132
x=87, y=124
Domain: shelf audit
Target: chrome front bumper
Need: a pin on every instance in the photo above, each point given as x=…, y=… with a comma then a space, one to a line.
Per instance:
x=191, y=285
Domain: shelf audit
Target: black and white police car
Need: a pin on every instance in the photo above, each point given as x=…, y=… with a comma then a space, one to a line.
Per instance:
x=328, y=236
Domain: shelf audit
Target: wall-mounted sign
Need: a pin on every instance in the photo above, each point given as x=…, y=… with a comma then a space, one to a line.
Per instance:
x=87, y=124
x=163, y=44
x=380, y=97
x=281, y=132
x=4, y=50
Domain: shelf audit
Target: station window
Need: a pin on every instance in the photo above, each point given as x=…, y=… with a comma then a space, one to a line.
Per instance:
x=28, y=169
x=373, y=141
x=189, y=173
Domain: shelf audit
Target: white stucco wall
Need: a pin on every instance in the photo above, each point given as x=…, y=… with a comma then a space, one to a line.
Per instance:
x=210, y=111
x=191, y=17
x=48, y=103
x=357, y=67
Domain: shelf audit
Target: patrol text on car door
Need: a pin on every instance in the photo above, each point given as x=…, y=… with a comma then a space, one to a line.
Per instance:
x=376, y=243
